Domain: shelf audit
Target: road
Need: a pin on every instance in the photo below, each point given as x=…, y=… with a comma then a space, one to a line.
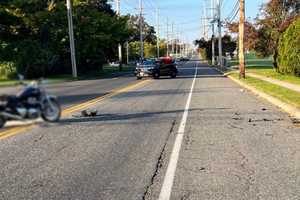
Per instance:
x=234, y=146
x=76, y=92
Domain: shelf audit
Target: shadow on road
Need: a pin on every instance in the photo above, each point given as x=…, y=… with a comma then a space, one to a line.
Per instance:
x=75, y=99
x=162, y=78
x=147, y=93
x=118, y=117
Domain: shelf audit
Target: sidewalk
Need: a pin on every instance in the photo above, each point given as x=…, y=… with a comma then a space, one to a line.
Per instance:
x=236, y=146
x=287, y=85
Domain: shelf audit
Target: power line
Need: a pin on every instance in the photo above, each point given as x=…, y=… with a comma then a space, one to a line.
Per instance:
x=233, y=12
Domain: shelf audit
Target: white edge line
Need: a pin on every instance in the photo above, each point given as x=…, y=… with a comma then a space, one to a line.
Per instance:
x=166, y=189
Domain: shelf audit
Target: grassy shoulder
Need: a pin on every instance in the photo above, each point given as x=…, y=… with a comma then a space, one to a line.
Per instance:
x=253, y=62
x=107, y=71
x=285, y=95
x=271, y=73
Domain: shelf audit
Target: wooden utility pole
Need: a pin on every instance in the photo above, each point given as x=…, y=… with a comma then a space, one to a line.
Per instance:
x=71, y=37
x=242, y=39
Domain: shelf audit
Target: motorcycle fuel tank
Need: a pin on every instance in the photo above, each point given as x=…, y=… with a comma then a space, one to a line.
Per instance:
x=30, y=92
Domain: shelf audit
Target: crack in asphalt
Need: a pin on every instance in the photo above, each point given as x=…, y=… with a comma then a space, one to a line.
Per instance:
x=249, y=175
x=159, y=163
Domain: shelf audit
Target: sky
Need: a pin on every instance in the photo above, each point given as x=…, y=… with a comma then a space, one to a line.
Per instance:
x=188, y=16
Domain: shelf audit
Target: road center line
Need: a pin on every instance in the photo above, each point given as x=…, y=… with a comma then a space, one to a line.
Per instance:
x=166, y=189
x=26, y=127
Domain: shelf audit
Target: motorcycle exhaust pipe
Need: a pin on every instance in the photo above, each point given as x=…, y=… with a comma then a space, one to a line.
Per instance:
x=11, y=116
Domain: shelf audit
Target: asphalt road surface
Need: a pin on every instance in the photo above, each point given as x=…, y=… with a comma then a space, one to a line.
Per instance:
x=76, y=92
x=234, y=145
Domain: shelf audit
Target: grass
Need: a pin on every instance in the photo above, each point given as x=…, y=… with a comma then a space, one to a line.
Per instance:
x=253, y=62
x=5, y=82
x=264, y=67
x=286, y=95
x=107, y=71
x=271, y=73
x=51, y=80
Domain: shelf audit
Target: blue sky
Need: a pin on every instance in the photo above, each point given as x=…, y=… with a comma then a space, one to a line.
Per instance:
x=185, y=14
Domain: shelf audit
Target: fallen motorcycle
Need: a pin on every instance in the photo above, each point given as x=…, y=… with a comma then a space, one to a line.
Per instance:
x=31, y=103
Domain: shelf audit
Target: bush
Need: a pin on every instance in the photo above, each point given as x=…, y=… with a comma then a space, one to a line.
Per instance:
x=33, y=61
x=7, y=70
x=289, y=50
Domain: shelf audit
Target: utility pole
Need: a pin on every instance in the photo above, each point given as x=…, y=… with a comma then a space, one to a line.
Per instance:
x=213, y=44
x=127, y=52
x=204, y=22
x=220, y=34
x=186, y=47
x=71, y=35
x=158, y=36
x=141, y=31
x=241, y=39
x=167, y=36
x=119, y=45
x=176, y=47
x=172, y=38
x=213, y=32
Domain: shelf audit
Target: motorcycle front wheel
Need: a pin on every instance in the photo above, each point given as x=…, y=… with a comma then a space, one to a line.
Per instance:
x=51, y=111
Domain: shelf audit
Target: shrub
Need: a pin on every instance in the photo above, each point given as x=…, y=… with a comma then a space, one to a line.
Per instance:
x=289, y=50
x=33, y=61
x=7, y=70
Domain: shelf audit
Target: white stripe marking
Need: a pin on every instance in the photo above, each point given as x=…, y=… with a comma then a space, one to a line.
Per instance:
x=166, y=189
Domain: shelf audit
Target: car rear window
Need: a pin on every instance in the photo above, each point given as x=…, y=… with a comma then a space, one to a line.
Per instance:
x=148, y=62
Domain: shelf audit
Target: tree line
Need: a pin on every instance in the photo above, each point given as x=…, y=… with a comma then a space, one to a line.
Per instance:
x=268, y=35
x=34, y=36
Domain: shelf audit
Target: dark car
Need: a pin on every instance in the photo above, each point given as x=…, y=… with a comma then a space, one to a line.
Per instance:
x=155, y=68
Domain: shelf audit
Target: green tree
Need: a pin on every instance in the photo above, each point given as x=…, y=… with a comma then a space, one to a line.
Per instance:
x=289, y=50
x=34, y=35
x=205, y=47
x=250, y=33
x=276, y=16
x=148, y=31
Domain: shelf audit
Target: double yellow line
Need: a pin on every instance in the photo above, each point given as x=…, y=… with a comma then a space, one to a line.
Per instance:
x=20, y=129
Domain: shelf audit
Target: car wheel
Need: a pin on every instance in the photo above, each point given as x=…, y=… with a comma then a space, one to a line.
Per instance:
x=156, y=75
x=173, y=74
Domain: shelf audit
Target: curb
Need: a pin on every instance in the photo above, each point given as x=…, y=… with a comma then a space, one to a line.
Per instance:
x=225, y=73
x=291, y=110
